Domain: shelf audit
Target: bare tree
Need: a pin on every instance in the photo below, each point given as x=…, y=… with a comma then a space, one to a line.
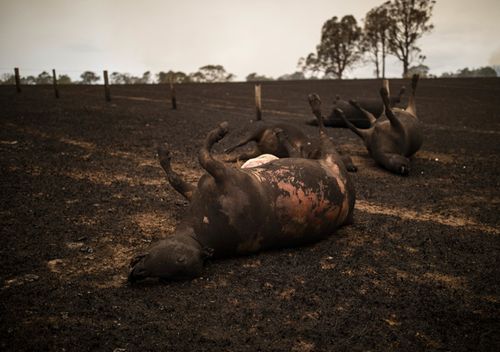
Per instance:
x=377, y=23
x=409, y=21
x=340, y=47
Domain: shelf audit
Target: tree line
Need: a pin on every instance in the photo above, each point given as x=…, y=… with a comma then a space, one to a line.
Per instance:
x=89, y=77
x=208, y=73
x=392, y=28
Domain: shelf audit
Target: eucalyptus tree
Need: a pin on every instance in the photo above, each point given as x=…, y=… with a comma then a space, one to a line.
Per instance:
x=340, y=48
x=409, y=21
x=375, y=39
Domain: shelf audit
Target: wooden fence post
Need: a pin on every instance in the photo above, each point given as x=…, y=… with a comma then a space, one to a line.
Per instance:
x=18, y=79
x=258, y=102
x=172, y=95
x=54, y=82
x=385, y=84
x=107, y=93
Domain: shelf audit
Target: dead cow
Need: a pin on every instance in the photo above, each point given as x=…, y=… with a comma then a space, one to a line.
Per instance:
x=354, y=115
x=294, y=144
x=393, y=138
x=282, y=203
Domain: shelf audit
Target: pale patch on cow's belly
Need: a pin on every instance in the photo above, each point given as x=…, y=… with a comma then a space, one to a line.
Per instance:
x=301, y=208
x=258, y=161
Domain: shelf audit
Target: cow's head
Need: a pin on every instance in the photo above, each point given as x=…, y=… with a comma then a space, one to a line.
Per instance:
x=174, y=258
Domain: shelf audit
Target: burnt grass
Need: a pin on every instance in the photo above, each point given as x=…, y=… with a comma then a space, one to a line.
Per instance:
x=82, y=192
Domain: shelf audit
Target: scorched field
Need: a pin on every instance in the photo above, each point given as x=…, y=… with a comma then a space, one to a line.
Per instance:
x=82, y=192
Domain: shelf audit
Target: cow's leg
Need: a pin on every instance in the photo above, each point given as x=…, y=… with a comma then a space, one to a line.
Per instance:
x=254, y=136
x=175, y=180
x=395, y=123
x=239, y=144
x=292, y=151
x=214, y=167
x=412, y=108
x=363, y=133
x=348, y=163
x=385, y=84
x=327, y=148
x=367, y=114
x=253, y=152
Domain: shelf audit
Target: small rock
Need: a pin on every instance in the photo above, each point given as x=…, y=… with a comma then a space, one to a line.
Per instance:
x=85, y=249
x=31, y=277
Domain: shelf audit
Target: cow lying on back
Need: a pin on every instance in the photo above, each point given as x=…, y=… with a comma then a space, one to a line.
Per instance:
x=266, y=141
x=281, y=203
x=393, y=138
x=354, y=115
x=294, y=144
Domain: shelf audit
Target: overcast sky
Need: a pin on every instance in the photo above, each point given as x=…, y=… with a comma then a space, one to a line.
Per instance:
x=263, y=36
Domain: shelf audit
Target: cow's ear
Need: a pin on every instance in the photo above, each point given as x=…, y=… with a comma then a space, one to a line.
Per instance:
x=207, y=252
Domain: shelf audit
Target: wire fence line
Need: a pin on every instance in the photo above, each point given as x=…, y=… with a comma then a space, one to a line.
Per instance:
x=41, y=69
x=46, y=78
x=25, y=71
x=31, y=75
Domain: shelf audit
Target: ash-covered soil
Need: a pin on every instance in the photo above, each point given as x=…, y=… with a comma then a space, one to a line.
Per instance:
x=82, y=192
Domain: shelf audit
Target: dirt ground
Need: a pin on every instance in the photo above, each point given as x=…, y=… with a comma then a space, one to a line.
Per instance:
x=82, y=192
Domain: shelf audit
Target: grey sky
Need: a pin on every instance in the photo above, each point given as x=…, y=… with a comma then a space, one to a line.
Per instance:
x=262, y=36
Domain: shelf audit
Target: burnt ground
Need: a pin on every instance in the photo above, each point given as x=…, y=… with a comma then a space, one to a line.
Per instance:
x=82, y=192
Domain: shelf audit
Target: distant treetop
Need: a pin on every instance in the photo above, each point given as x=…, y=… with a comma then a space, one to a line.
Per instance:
x=486, y=71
